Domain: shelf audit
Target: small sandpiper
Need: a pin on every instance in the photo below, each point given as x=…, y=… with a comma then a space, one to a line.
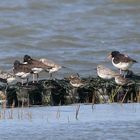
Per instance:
x=123, y=81
x=105, y=73
x=54, y=67
x=37, y=66
x=2, y=97
x=23, y=71
x=8, y=78
x=121, y=61
x=76, y=81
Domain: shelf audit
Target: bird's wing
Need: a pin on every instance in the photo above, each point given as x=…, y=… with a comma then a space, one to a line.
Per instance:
x=48, y=62
x=39, y=64
x=125, y=58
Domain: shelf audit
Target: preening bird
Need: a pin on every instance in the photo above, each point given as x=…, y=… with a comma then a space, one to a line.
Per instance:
x=54, y=67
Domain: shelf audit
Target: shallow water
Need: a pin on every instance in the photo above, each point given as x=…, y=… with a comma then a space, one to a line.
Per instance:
x=104, y=121
x=78, y=34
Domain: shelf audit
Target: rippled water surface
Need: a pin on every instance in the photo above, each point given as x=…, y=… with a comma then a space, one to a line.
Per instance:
x=78, y=34
x=107, y=121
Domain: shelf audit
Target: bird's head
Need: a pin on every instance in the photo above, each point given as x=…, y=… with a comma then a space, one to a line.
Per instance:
x=113, y=54
x=27, y=58
x=16, y=63
x=99, y=67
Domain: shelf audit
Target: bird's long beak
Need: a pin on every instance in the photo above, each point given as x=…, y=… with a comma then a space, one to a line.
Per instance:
x=109, y=56
x=77, y=74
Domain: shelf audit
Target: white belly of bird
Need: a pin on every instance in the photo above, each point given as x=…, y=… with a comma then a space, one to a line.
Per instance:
x=2, y=101
x=123, y=66
x=105, y=76
x=22, y=74
x=37, y=70
x=119, y=82
x=11, y=80
x=76, y=84
x=54, y=69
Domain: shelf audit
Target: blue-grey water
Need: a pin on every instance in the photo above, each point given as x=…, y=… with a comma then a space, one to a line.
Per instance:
x=103, y=122
x=78, y=34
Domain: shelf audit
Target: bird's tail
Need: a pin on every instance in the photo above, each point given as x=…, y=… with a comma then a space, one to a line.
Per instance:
x=134, y=61
x=64, y=67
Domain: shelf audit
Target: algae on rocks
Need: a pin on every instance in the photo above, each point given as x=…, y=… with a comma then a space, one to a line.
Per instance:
x=61, y=92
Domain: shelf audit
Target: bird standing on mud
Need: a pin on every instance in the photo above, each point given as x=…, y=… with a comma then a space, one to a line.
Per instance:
x=121, y=61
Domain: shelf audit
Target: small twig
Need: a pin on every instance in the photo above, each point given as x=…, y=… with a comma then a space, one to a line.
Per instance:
x=4, y=109
x=93, y=102
x=112, y=98
x=22, y=109
x=58, y=113
x=68, y=119
x=11, y=111
x=102, y=96
x=29, y=115
x=124, y=97
x=77, y=111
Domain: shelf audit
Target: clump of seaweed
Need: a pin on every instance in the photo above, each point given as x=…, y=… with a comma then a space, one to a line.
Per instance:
x=61, y=92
